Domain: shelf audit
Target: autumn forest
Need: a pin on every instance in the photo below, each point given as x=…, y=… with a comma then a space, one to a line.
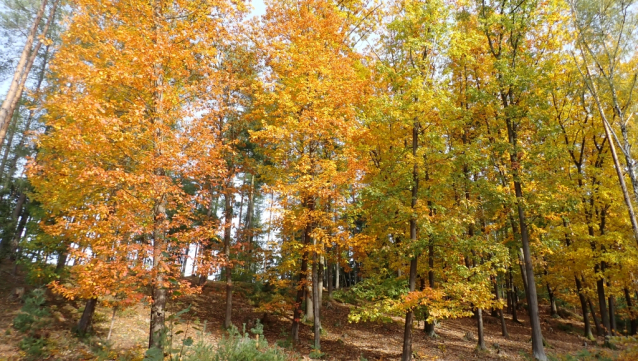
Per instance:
x=414, y=162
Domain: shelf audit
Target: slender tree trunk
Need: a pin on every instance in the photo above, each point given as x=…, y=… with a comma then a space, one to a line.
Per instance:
x=509, y=287
x=310, y=309
x=87, y=316
x=583, y=307
x=337, y=268
x=515, y=304
x=532, y=299
x=429, y=326
x=27, y=127
x=228, y=219
x=521, y=263
x=112, y=322
x=13, y=128
x=329, y=280
x=248, y=227
x=602, y=302
x=632, y=313
x=409, y=317
x=8, y=248
x=612, y=314
x=194, y=259
x=301, y=286
x=552, y=301
x=316, y=300
x=500, y=311
x=481, y=334
x=599, y=327
x=20, y=74
x=17, y=236
x=160, y=293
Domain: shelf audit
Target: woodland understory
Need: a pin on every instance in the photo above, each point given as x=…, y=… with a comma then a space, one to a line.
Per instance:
x=332, y=179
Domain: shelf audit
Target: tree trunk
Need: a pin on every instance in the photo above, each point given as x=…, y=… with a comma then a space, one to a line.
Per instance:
x=337, y=267
x=310, y=309
x=501, y=315
x=481, y=334
x=112, y=322
x=316, y=301
x=521, y=263
x=8, y=246
x=248, y=226
x=612, y=314
x=583, y=307
x=20, y=74
x=301, y=286
x=228, y=219
x=62, y=257
x=552, y=301
x=409, y=317
x=515, y=305
x=87, y=316
x=429, y=326
x=329, y=280
x=17, y=236
x=532, y=300
x=599, y=328
x=602, y=302
x=632, y=313
x=13, y=128
x=14, y=160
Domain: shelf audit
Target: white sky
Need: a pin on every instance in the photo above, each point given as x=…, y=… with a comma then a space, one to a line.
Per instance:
x=258, y=9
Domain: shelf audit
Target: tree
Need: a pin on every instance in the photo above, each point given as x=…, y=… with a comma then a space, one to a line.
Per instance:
x=131, y=80
x=308, y=111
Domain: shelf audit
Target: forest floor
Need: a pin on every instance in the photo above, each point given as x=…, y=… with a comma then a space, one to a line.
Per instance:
x=341, y=340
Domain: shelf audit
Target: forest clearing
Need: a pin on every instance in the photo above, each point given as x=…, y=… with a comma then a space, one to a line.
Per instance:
x=319, y=179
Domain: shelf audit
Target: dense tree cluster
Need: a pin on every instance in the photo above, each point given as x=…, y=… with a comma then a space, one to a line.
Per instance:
x=440, y=158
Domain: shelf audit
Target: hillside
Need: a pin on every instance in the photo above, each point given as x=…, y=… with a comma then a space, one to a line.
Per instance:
x=341, y=340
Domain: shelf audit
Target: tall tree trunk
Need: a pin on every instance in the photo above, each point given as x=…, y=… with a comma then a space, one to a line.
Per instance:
x=633, y=325
x=409, y=317
x=329, y=275
x=532, y=299
x=301, y=286
x=515, y=308
x=157, y=332
x=337, y=268
x=87, y=316
x=481, y=333
x=612, y=314
x=316, y=301
x=24, y=67
x=501, y=315
x=552, y=301
x=15, y=241
x=13, y=128
x=599, y=327
x=429, y=326
x=583, y=307
x=602, y=301
x=112, y=322
x=591, y=85
x=228, y=219
x=8, y=247
x=19, y=76
x=248, y=226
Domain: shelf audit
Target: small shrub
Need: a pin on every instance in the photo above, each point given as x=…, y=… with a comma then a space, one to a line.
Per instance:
x=237, y=346
x=30, y=321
